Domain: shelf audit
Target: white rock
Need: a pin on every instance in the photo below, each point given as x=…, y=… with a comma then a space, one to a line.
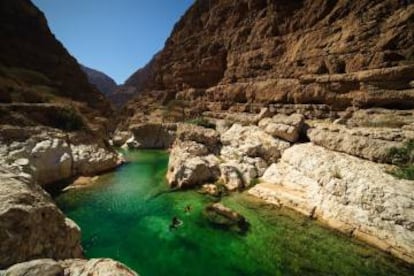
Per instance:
x=347, y=193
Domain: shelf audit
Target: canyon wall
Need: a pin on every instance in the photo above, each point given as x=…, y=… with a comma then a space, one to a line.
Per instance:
x=341, y=53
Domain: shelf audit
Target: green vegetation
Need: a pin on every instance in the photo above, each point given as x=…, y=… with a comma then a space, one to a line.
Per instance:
x=387, y=121
x=404, y=158
x=174, y=111
x=24, y=75
x=201, y=121
x=336, y=173
x=68, y=119
x=254, y=181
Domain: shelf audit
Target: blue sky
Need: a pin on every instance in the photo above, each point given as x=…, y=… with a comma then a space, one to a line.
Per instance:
x=116, y=37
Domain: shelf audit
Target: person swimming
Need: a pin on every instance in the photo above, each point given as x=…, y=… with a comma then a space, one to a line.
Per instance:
x=175, y=223
x=187, y=209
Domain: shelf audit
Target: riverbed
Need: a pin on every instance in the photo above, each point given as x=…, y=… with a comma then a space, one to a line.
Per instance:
x=125, y=215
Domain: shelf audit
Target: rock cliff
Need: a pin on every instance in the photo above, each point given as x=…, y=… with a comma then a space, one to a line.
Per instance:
x=53, y=125
x=341, y=53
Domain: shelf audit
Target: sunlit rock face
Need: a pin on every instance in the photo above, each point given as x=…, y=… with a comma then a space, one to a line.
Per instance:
x=353, y=195
x=49, y=267
x=31, y=224
x=339, y=53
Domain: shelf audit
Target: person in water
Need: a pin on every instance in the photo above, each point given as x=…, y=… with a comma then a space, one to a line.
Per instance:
x=175, y=222
x=187, y=208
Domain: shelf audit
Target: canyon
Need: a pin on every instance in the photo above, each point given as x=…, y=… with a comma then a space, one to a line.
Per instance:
x=304, y=105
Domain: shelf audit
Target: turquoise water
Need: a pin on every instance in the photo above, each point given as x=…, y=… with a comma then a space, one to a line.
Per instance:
x=126, y=214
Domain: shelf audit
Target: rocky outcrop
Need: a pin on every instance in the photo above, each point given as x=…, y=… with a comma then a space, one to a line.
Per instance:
x=95, y=267
x=31, y=224
x=369, y=143
x=251, y=141
x=227, y=55
x=191, y=164
x=152, y=136
x=285, y=127
x=48, y=155
x=70, y=267
x=355, y=196
x=236, y=157
x=36, y=68
x=222, y=216
x=206, y=136
x=103, y=82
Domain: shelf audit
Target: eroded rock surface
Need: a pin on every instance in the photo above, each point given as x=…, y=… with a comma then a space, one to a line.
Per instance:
x=48, y=155
x=191, y=164
x=368, y=143
x=152, y=136
x=31, y=225
x=285, y=127
x=353, y=195
x=222, y=216
x=70, y=267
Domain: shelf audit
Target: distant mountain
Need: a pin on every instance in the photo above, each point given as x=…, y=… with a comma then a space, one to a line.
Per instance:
x=103, y=82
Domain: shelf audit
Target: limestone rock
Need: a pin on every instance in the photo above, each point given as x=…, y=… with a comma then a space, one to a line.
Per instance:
x=353, y=195
x=120, y=138
x=285, y=127
x=253, y=142
x=231, y=177
x=190, y=164
x=210, y=189
x=98, y=267
x=223, y=216
x=294, y=52
x=69, y=267
x=31, y=224
x=92, y=159
x=368, y=143
x=50, y=155
x=44, y=267
x=206, y=136
x=152, y=136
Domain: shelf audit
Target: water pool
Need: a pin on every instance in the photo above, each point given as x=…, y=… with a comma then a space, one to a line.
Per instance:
x=126, y=214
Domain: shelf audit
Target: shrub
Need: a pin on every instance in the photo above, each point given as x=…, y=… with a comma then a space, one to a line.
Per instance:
x=201, y=121
x=68, y=119
x=404, y=158
x=254, y=181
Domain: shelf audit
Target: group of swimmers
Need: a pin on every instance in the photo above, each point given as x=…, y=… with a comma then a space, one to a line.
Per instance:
x=176, y=222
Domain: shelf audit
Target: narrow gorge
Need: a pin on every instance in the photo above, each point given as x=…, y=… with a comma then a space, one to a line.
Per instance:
x=265, y=138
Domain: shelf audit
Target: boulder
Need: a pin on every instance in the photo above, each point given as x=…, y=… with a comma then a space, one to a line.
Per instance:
x=44, y=267
x=152, y=136
x=285, y=127
x=48, y=156
x=353, y=195
x=253, y=142
x=368, y=143
x=231, y=177
x=92, y=159
x=69, y=267
x=210, y=189
x=190, y=165
x=98, y=267
x=222, y=216
x=206, y=136
x=120, y=138
x=31, y=224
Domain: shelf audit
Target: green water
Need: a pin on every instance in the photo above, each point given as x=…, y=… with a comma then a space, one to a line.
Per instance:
x=125, y=217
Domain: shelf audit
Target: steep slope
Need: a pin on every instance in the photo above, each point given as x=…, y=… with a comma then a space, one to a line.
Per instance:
x=36, y=68
x=133, y=85
x=53, y=126
x=340, y=53
x=103, y=82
